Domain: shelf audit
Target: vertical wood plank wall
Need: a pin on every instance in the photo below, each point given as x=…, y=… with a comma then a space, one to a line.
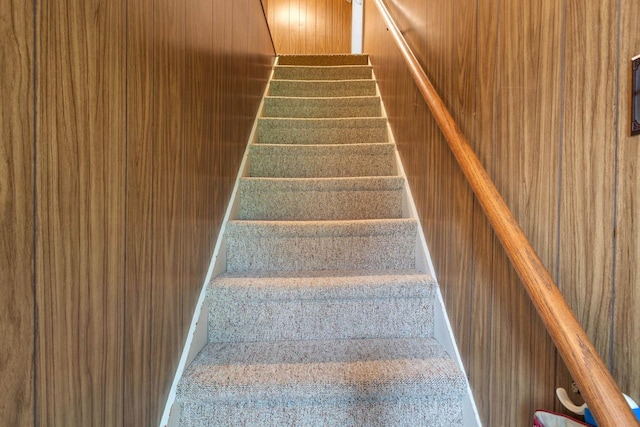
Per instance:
x=80, y=191
x=626, y=337
x=17, y=301
x=541, y=90
x=122, y=128
x=310, y=26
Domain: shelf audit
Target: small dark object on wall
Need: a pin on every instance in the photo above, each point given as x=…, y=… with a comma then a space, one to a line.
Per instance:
x=635, y=96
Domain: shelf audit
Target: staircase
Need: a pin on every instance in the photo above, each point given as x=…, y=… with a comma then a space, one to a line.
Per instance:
x=322, y=318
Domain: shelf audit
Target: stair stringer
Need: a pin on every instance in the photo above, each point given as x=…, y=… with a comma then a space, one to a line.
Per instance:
x=442, y=327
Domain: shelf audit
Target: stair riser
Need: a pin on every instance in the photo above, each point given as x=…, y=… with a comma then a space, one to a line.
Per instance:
x=310, y=88
x=322, y=107
x=322, y=131
x=286, y=134
x=320, y=253
x=355, y=72
x=236, y=321
x=325, y=160
x=316, y=205
x=323, y=60
x=399, y=413
x=264, y=164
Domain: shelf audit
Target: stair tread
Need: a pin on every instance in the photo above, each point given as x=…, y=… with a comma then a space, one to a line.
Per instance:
x=349, y=130
x=323, y=67
x=324, y=369
x=324, y=122
x=322, y=160
x=330, y=149
x=338, y=106
x=321, y=245
x=324, y=99
x=327, y=284
x=366, y=183
x=332, y=198
x=306, y=72
x=364, y=227
x=322, y=88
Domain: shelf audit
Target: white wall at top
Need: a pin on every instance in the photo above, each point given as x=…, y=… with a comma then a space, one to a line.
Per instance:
x=356, y=26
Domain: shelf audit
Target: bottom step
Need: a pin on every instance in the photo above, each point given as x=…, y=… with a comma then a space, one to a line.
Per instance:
x=373, y=382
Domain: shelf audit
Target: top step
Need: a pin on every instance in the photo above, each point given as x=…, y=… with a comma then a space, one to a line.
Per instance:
x=323, y=60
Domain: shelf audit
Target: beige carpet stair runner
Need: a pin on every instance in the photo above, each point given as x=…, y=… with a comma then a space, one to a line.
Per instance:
x=321, y=318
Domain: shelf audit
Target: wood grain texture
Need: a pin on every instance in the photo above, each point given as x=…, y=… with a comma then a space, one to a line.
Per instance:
x=138, y=410
x=518, y=121
x=310, y=26
x=17, y=170
x=80, y=212
x=197, y=72
x=484, y=240
x=527, y=128
x=588, y=155
x=458, y=272
x=167, y=280
x=129, y=198
x=140, y=125
x=198, y=130
x=626, y=335
x=588, y=171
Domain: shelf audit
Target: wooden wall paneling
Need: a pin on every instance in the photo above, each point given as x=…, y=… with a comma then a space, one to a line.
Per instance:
x=17, y=299
x=339, y=27
x=587, y=171
x=219, y=115
x=80, y=212
x=310, y=26
x=167, y=334
x=295, y=30
x=198, y=128
x=322, y=44
x=344, y=26
x=334, y=10
x=269, y=9
x=484, y=240
x=310, y=38
x=280, y=15
x=236, y=97
x=139, y=410
x=285, y=18
x=457, y=293
x=626, y=336
x=227, y=148
x=527, y=122
x=304, y=27
x=438, y=53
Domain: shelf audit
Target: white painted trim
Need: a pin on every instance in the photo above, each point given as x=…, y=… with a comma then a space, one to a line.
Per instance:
x=423, y=258
x=357, y=10
x=442, y=327
x=197, y=336
x=444, y=334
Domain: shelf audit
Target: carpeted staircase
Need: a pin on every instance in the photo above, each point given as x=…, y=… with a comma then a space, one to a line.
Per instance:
x=322, y=318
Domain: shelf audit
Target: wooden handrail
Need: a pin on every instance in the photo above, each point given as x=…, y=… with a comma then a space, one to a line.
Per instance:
x=598, y=388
